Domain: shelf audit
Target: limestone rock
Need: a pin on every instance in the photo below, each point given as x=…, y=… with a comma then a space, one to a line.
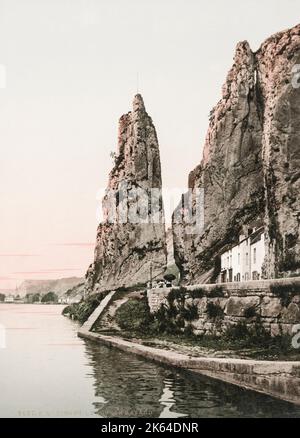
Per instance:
x=236, y=306
x=126, y=249
x=250, y=167
x=291, y=315
x=277, y=59
x=271, y=307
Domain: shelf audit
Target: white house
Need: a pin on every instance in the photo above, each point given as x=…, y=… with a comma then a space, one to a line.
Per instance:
x=70, y=300
x=9, y=299
x=244, y=261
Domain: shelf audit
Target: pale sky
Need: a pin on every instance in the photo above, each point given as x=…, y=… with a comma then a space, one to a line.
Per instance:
x=71, y=69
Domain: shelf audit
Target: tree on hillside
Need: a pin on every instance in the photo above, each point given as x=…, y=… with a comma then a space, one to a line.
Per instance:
x=170, y=278
x=50, y=297
x=28, y=298
x=36, y=298
x=2, y=298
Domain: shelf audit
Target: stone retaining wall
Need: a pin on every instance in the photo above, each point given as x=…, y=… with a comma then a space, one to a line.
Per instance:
x=275, y=304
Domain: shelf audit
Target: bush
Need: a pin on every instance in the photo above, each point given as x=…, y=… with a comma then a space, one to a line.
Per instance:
x=189, y=332
x=197, y=293
x=170, y=277
x=285, y=292
x=250, y=312
x=248, y=336
x=217, y=292
x=215, y=311
x=83, y=310
x=189, y=312
x=134, y=315
x=50, y=297
x=237, y=332
x=177, y=294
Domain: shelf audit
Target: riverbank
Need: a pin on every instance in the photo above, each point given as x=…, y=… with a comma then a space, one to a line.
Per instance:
x=124, y=322
x=128, y=317
x=277, y=379
x=278, y=349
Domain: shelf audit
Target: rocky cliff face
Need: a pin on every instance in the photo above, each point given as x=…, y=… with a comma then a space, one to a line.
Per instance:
x=250, y=166
x=277, y=61
x=131, y=240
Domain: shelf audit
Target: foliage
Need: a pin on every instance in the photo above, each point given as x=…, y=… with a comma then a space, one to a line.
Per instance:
x=170, y=277
x=237, y=332
x=215, y=311
x=285, y=292
x=2, y=298
x=177, y=294
x=250, y=312
x=217, y=292
x=189, y=312
x=82, y=311
x=173, y=270
x=50, y=297
x=249, y=336
x=136, y=288
x=197, y=293
x=33, y=298
x=36, y=298
x=134, y=315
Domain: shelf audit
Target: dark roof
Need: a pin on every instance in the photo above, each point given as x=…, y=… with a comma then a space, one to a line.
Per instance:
x=256, y=236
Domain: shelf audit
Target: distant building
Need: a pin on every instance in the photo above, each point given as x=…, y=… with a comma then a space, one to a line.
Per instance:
x=70, y=300
x=244, y=261
x=9, y=299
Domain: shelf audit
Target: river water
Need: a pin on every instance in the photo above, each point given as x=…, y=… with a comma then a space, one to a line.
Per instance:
x=47, y=371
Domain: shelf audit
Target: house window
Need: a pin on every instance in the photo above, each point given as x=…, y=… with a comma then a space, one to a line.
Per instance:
x=254, y=256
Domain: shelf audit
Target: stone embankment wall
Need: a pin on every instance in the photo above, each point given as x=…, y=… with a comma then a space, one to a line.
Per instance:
x=273, y=304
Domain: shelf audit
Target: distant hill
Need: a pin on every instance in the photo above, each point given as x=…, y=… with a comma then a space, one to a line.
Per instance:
x=75, y=293
x=59, y=286
x=7, y=291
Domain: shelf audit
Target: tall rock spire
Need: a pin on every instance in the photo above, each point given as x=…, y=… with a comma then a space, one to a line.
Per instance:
x=131, y=241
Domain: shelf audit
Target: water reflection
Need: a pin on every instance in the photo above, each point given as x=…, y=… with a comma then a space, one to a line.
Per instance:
x=47, y=371
x=127, y=386
x=168, y=401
